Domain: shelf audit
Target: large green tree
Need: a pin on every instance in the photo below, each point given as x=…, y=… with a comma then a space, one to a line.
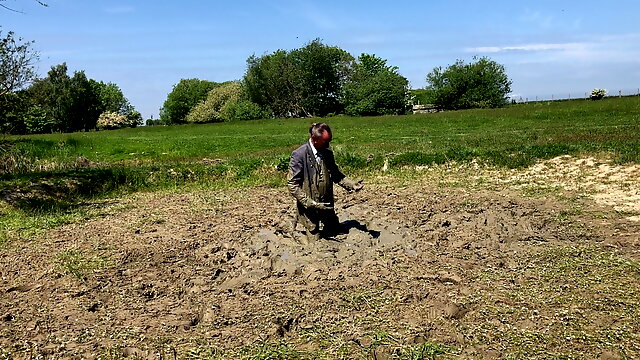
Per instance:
x=54, y=95
x=322, y=72
x=183, y=97
x=301, y=82
x=483, y=83
x=375, y=88
x=272, y=82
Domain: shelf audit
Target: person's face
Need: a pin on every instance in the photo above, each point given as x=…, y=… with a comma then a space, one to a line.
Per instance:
x=322, y=142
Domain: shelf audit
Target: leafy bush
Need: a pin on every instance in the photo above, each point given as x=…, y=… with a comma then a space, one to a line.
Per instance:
x=375, y=89
x=480, y=84
x=244, y=110
x=213, y=108
x=597, y=94
x=282, y=163
x=225, y=103
x=351, y=161
x=112, y=120
x=300, y=82
x=37, y=122
x=422, y=96
x=185, y=95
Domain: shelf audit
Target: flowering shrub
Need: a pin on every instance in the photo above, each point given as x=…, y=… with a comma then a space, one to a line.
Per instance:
x=111, y=120
x=597, y=94
x=212, y=109
x=226, y=103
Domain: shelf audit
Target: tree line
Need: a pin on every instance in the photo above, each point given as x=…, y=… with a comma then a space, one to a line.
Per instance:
x=321, y=80
x=58, y=102
x=314, y=80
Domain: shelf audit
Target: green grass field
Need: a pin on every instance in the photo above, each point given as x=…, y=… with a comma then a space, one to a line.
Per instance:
x=512, y=136
x=47, y=174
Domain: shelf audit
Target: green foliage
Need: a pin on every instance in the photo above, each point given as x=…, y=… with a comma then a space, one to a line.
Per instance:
x=183, y=97
x=422, y=96
x=13, y=107
x=112, y=100
x=424, y=351
x=282, y=163
x=214, y=107
x=270, y=81
x=297, y=83
x=17, y=62
x=375, y=89
x=63, y=103
x=76, y=263
x=36, y=120
x=351, y=161
x=244, y=110
x=225, y=103
x=322, y=72
x=479, y=84
x=71, y=103
x=153, y=122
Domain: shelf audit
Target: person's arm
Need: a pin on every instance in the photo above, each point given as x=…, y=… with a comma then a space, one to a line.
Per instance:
x=296, y=177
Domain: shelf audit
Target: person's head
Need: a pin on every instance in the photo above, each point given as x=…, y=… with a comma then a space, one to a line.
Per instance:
x=320, y=135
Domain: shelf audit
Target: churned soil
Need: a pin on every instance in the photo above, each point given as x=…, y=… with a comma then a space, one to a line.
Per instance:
x=483, y=273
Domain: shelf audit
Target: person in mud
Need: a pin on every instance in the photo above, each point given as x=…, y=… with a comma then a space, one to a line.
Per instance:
x=312, y=173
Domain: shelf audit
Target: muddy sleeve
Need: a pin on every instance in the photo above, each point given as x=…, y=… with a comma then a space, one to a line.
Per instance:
x=296, y=177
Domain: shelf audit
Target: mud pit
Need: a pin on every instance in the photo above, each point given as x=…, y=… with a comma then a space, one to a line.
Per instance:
x=180, y=274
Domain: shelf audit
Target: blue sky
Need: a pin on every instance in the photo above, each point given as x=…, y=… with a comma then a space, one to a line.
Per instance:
x=549, y=48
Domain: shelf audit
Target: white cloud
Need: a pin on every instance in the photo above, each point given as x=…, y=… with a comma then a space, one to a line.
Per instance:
x=604, y=49
x=567, y=47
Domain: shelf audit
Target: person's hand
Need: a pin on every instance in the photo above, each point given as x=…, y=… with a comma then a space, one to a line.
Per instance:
x=312, y=204
x=351, y=185
x=320, y=205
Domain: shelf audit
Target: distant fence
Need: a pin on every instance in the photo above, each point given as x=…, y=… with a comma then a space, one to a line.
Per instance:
x=569, y=96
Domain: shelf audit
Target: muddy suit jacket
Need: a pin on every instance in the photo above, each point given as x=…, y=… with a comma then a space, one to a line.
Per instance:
x=309, y=179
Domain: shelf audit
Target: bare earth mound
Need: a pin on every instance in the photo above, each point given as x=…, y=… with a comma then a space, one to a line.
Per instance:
x=471, y=274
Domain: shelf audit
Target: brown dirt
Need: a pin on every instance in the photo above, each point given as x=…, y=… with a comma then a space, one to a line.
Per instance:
x=478, y=271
